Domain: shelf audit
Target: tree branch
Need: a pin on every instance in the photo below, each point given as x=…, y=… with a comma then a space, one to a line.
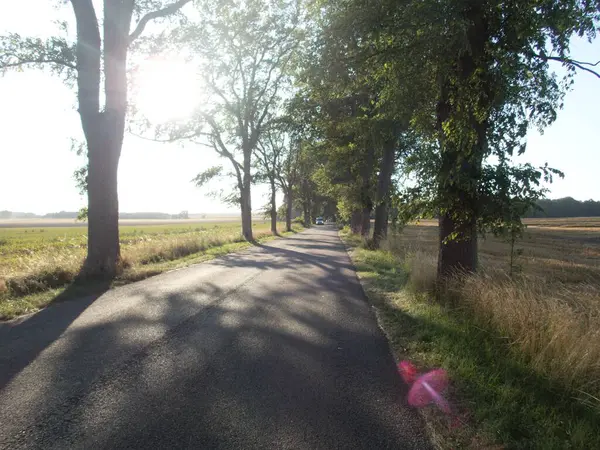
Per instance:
x=218, y=144
x=16, y=51
x=571, y=62
x=88, y=56
x=22, y=62
x=164, y=12
x=168, y=140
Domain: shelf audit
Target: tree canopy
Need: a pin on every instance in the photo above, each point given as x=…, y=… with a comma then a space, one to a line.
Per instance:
x=388, y=110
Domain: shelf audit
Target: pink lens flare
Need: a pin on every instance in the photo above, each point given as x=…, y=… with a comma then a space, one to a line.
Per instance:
x=426, y=388
x=408, y=371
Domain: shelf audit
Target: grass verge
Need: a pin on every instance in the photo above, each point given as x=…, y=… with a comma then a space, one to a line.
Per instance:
x=506, y=391
x=52, y=275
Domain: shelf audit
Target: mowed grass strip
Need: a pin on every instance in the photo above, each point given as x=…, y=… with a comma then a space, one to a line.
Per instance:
x=36, y=264
x=523, y=352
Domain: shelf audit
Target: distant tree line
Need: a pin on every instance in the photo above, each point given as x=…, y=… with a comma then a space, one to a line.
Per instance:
x=565, y=207
x=74, y=214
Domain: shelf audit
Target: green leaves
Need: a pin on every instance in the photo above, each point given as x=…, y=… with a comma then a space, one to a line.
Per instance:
x=56, y=53
x=204, y=177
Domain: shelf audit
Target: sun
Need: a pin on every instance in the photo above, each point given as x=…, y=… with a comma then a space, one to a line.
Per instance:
x=166, y=89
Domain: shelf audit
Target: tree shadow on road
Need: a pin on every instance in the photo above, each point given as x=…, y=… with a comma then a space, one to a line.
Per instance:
x=289, y=359
x=22, y=340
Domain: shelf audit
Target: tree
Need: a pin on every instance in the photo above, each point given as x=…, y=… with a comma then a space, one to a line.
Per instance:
x=268, y=154
x=481, y=71
x=384, y=180
x=366, y=97
x=95, y=58
x=341, y=142
x=565, y=207
x=244, y=48
x=287, y=177
x=492, y=88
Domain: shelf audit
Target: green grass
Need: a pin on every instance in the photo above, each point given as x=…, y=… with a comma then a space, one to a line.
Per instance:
x=499, y=396
x=38, y=264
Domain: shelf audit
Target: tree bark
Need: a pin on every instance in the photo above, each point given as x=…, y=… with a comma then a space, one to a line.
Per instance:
x=459, y=254
x=273, y=207
x=386, y=169
x=103, y=210
x=306, y=213
x=288, y=210
x=246, y=197
x=306, y=203
x=355, y=221
x=246, y=212
x=365, y=220
x=367, y=201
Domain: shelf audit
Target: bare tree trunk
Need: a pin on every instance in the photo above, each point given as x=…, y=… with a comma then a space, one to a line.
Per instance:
x=355, y=221
x=103, y=211
x=386, y=169
x=246, y=210
x=273, y=208
x=457, y=254
x=288, y=210
x=246, y=197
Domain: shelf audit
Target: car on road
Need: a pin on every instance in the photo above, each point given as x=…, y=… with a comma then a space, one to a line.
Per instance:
x=319, y=221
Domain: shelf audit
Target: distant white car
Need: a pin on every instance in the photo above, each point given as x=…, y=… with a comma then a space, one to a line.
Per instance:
x=319, y=221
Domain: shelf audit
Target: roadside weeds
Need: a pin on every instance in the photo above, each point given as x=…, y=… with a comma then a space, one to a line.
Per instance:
x=502, y=397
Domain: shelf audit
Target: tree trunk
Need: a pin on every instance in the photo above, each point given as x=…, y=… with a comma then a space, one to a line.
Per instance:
x=459, y=254
x=103, y=130
x=355, y=221
x=460, y=172
x=288, y=210
x=306, y=212
x=103, y=211
x=366, y=200
x=246, y=197
x=365, y=221
x=273, y=208
x=384, y=182
x=306, y=203
x=246, y=210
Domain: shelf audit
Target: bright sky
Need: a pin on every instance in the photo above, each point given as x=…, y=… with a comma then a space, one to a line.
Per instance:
x=38, y=118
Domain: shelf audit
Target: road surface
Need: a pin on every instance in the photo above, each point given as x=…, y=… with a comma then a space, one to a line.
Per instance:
x=272, y=348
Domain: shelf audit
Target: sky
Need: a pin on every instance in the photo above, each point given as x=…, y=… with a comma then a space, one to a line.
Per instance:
x=38, y=119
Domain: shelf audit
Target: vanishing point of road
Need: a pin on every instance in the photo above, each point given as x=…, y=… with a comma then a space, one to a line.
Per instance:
x=272, y=348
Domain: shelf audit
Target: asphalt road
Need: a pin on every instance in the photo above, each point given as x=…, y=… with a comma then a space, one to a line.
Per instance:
x=272, y=348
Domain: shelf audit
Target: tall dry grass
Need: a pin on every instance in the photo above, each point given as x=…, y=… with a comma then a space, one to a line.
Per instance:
x=39, y=266
x=556, y=326
x=177, y=247
x=549, y=312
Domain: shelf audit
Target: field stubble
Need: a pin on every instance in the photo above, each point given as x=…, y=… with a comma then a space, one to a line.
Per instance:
x=549, y=309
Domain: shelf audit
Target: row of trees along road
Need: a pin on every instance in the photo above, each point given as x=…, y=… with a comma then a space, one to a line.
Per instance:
x=397, y=109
